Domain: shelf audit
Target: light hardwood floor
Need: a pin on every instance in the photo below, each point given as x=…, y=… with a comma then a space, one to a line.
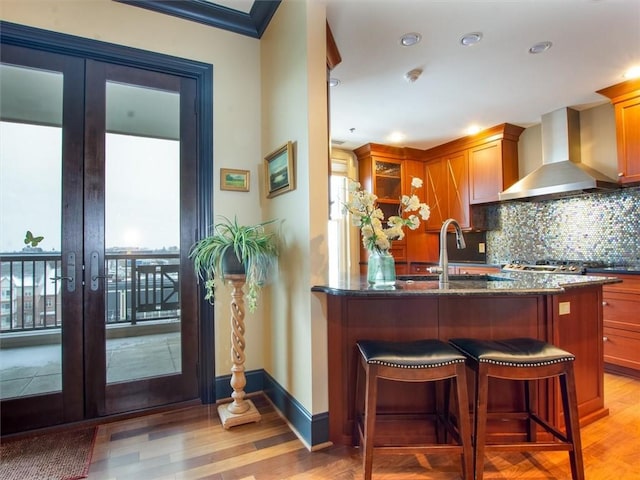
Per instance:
x=191, y=444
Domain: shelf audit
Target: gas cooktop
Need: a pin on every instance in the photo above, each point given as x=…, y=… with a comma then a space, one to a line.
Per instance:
x=576, y=267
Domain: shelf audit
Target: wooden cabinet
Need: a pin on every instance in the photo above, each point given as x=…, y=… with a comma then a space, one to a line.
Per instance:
x=493, y=166
x=387, y=184
x=436, y=193
x=625, y=97
x=382, y=171
x=468, y=171
x=621, y=303
x=448, y=190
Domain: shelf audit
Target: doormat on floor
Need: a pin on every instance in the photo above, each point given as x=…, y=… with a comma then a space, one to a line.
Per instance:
x=53, y=456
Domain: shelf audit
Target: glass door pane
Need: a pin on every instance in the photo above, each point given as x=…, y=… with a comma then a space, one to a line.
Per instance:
x=142, y=232
x=139, y=219
x=40, y=209
x=30, y=237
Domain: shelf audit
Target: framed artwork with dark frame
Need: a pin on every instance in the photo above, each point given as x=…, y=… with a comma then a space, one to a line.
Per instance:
x=231, y=179
x=279, y=171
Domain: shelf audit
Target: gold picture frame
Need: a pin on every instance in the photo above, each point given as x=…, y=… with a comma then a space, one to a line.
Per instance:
x=279, y=173
x=233, y=179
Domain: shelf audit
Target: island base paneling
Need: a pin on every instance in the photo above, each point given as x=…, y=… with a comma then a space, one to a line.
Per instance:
x=576, y=323
x=352, y=318
x=373, y=318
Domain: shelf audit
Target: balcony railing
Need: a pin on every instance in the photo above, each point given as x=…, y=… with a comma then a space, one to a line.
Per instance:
x=29, y=300
x=139, y=287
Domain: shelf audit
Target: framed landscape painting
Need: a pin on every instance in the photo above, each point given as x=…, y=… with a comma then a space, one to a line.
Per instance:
x=231, y=179
x=279, y=171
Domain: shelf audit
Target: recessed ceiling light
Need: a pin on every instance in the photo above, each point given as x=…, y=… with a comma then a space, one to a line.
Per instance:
x=410, y=39
x=334, y=82
x=471, y=39
x=633, y=72
x=472, y=129
x=396, y=137
x=540, y=47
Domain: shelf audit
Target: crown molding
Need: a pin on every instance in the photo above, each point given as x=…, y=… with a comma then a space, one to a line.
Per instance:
x=252, y=24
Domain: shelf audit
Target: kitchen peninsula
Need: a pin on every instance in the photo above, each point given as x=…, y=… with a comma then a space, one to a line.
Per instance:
x=565, y=310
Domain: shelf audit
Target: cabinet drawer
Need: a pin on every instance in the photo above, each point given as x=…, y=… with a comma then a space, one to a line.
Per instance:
x=630, y=284
x=402, y=269
x=399, y=252
x=620, y=310
x=622, y=348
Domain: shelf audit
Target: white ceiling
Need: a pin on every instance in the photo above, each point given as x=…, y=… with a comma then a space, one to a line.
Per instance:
x=493, y=82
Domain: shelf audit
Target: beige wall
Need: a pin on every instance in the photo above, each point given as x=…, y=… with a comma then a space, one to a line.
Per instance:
x=266, y=92
x=294, y=107
x=598, y=139
x=597, y=142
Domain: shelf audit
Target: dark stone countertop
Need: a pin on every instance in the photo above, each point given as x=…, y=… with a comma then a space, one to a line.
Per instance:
x=503, y=283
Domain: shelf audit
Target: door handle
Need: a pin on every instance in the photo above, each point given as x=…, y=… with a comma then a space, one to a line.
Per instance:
x=94, y=270
x=71, y=270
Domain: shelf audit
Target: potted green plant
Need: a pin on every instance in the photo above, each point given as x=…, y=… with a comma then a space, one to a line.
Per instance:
x=236, y=249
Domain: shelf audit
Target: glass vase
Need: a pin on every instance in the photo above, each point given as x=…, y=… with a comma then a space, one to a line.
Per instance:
x=381, y=269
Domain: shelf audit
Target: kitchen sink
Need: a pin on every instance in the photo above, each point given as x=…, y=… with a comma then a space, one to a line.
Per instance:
x=458, y=278
x=456, y=282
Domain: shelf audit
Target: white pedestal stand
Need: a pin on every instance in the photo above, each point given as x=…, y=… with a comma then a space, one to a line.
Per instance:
x=241, y=410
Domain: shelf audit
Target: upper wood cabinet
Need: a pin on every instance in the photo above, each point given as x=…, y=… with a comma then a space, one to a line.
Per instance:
x=448, y=190
x=436, y=195
x=468, y=171
x=493, y=163
x=493, y=166
x=382, y=171
x=625, y=97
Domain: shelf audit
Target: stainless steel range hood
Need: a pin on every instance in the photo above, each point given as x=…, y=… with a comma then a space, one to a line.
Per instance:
x=561, y=173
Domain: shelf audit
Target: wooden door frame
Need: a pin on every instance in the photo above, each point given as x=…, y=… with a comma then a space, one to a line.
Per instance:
x=202, y=73
x=65, y=405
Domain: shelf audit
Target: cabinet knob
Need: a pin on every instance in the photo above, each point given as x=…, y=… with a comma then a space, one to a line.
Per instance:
x=605, y=303
x=621, y=174
x=605, y=339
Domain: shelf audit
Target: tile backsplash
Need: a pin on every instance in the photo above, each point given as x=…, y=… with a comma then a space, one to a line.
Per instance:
x=598, y=227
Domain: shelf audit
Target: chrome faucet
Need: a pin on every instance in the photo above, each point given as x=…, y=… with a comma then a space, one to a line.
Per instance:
x=443, y=263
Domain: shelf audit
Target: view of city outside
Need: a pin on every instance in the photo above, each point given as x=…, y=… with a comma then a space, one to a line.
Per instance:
x=142, y=230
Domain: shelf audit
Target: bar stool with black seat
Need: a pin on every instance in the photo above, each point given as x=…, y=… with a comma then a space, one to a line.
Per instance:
x=525, y=359
x=413, y=361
